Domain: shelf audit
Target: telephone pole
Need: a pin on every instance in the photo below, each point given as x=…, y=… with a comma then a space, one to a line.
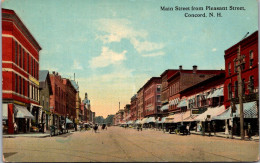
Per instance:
x=240, y=60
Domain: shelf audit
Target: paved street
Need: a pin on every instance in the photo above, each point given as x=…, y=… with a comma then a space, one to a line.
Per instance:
x=119, y=144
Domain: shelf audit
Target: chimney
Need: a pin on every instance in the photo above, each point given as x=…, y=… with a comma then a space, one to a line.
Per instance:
x=180, y=67
x=195, y=69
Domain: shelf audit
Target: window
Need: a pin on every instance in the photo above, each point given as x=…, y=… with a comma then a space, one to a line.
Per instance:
x=16, y=87
x=235, y=66
x=22, y=65
x=18, y=59
x=236, y=89
x=32, y=66
x=251, y=58
x=229, y=91
x=243, y=87
x=28, y=62
x=158, y=98
x=20, y=85
x=158, y=88
x=28, y=89
x=243, y=63
x=251, y=84
x=23, y=87
x=15, y=51
x=229, y=68
x=198, y=101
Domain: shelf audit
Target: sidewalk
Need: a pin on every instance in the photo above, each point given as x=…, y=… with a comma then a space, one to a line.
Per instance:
x=33, y=134
x=223, y=135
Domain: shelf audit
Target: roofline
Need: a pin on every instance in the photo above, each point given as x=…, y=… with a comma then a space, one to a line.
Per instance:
x=150, y=80
x=204, y=81
x=17, y=20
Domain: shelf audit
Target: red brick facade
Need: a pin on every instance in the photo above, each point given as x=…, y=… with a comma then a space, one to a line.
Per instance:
x=184, y=79
x=70, y=99
x=152, y=97
x=249, y=49
x=20, y=65
x=58, y=99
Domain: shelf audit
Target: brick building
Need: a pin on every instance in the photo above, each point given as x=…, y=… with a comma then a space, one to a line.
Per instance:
x=140, y=103
x=183, y=79
x=70, y=94
x=250, y=79
x=57, y=100
x=20, y=70
x=127, y=113
x=133, y=108
x=152, y=97
x=165, y=89
x=249, y=49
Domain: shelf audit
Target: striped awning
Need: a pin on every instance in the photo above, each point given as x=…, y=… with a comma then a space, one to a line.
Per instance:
x=165, y=107
x=183, y=103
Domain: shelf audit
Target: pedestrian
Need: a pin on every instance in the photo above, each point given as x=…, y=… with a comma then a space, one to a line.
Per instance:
x=209, y=129
x=15, y=128
x=188, y=129
x=95, y=128
x=214, y=127
x=249, y=131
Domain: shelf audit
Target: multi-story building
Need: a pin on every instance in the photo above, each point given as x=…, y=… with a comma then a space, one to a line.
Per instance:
x=165, y=89
x=202, y=102
x=249, y=67
x=70, y=93
x=127, y=113
x=45, y=92
x=133, y=108
x=78, y=100
x=183, y=79
x=57, y=100
x=20, y=69
x=152, y=97
x=250, y=78
x=140, y=103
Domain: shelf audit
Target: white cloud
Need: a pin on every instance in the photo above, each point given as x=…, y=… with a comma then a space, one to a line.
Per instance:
x=214, y=49
x=107, y=57
x=118, y=29
x=154, y=54
x=76, y=65
x=146, y=45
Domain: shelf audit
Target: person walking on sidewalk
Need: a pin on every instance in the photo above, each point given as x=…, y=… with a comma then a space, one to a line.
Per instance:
x=209, y=129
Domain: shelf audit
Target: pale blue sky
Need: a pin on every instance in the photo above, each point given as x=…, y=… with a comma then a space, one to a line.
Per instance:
x=115, y=46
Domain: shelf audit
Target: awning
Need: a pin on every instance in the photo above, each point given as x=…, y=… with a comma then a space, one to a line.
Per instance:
x=162, y=120
x=169, y=119
x=129, y=122
x=181, y=116
x=22, y=112
x=143, y=121
x=250, y=110
x=190, y=118
x=5, y=111
x=225, y=115
x=68, y=120
x=150, y=119
x=182, y=103
x=165, y=107
x=217, y=93
x=212, y=111
x=137, y=121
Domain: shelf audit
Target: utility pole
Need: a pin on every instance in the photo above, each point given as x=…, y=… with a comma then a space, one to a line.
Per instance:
x=240, y=61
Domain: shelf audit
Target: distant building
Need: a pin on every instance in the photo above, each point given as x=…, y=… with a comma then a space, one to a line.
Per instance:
x=20, y=71
x=152, y=97
x=57, y=100
x=70, y=93
x=45, y=92
x=133, y=108
x=140, y=103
